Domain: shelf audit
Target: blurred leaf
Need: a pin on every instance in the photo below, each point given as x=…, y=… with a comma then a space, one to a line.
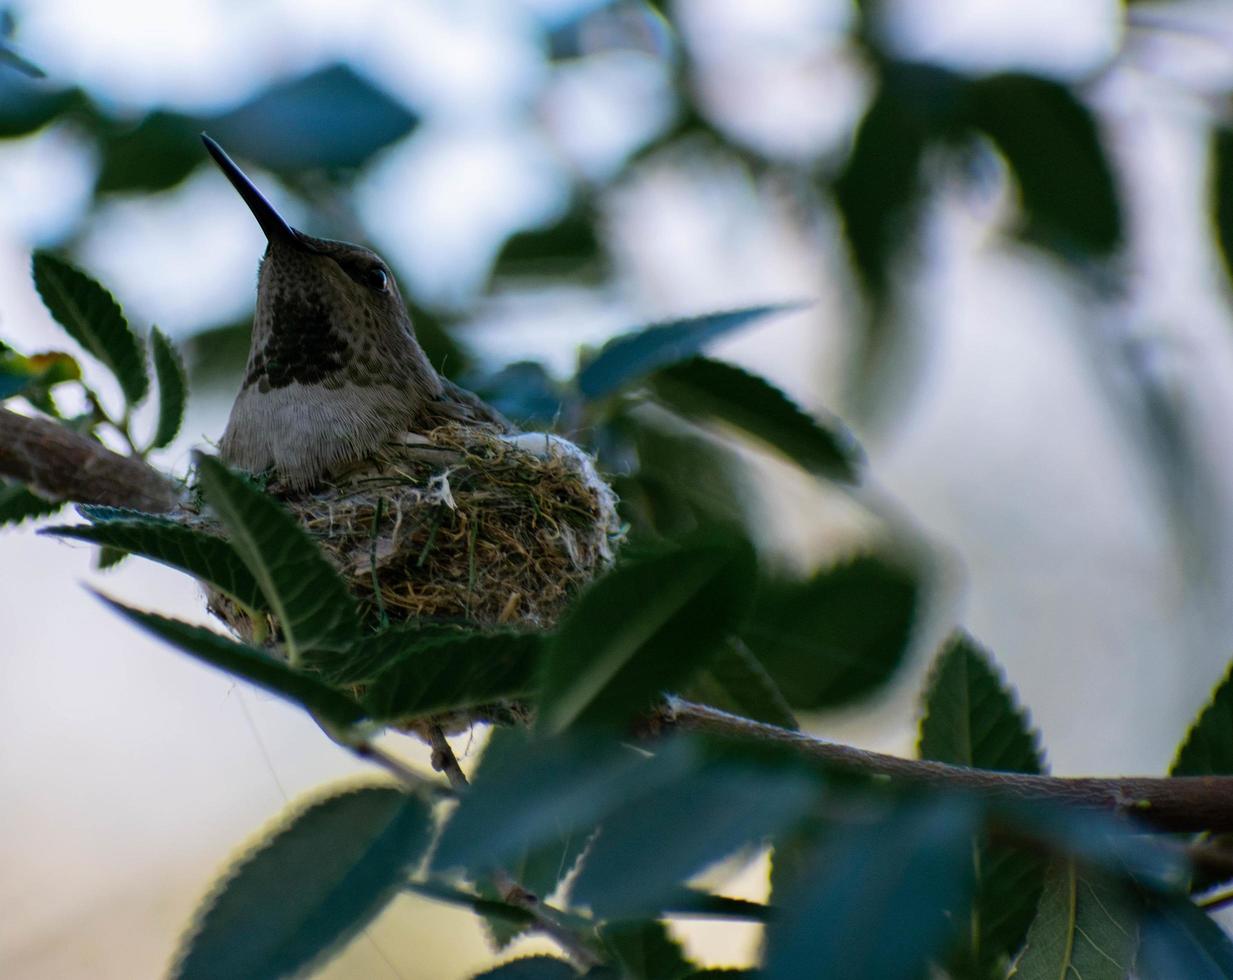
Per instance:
x=631, y=356
x=309, y=887
x=647, y=848
x=172, y=389
x=646, y=950
x=217, y=355
x=1086, y=926
x=706, y=390
x=972, y=719
x=28, y=104
x=92, y=317
x=530, y=968
x=109, y=558
x=310, y=600
x=568, y=248
x=248, y=663
x=837, y=636
x=1222, y=192
x=524, y=392
x=883, y=898
x=642, y=629
x=1208, y=747
x=453, y=673
x=11, y=59
x=551, y=788
x=35, y=375
x=880, y=190
x=329, y=118
x=154, y=155
x=736, y=681
x=18, y=503
x=1052, y=144
x=204, y=556
x=1178, y=939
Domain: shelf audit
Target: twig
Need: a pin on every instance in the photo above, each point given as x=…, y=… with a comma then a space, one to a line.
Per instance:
x=61, y=464
x=443, y=758
x=1180, y=803
x=396, y=768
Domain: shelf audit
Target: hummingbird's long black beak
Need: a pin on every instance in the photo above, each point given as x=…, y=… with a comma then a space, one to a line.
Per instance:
x=272, y=223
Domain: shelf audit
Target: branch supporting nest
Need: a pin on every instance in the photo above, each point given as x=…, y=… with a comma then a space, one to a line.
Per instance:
x=60, y=464
x=1168, y=803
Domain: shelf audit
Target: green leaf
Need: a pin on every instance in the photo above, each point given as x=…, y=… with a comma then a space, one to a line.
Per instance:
x=28, y=104
x=645, y=951
x=568, y=247
x=309, y=887
x=453, y=673
x=837, y=636
x=92, y=317
x=172, y=389
x=1052, y=144
x=1208, y=747
x=34, y=376
x=247, y=663
x=311, y=601
x=530, y=968
x=641, y=630
x=736, y=681
x=972, y=719
x=154, y=155
x=550, y=788
x=705, y=390
x=204, y=556
x=1222, y=192
x=18, y=503
x=649, y=847
x=882, y=899
x=1178, y=939
x=1086, y=926
x=632, y=356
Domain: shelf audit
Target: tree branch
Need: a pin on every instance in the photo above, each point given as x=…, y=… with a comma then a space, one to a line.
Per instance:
x=61, y=464
x=1175, y=804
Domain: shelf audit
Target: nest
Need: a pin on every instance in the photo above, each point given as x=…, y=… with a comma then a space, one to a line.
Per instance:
x=461, y=525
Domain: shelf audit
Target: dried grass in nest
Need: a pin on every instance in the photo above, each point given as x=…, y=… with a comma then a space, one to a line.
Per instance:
x=463, y=526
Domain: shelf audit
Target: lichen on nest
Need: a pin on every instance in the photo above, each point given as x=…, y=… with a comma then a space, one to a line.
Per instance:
x=460, y=525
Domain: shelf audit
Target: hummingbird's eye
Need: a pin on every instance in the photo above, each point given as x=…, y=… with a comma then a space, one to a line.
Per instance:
x=377, y=278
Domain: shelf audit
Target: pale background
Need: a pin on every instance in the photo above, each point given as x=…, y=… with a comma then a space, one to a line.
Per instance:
x=130, y=774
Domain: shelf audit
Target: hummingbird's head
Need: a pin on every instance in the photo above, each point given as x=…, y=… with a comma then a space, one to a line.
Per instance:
x=333, y=364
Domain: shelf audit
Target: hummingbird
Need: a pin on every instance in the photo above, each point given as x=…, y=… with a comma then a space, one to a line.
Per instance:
x=334, y=370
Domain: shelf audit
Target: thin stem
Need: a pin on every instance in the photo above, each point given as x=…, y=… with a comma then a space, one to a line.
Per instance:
x=396, y=768
x=443, y=758
x=1177, y=803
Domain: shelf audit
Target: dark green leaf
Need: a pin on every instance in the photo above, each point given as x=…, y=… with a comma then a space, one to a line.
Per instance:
x=1208, y=747
x=631, y=356
x=547, y=790
x=34, y=376
x=568, y=247
x=882, y=900
x=309, y=887
x=172, y=389
x=645, y=951
x=643, y=629
x=530, y=968
x=27, y=104
x=706, y=390
x=736, y=681
x=453, y=673
x=972, y=719
x=1052, y=144
x=1222, y=192
x=109, y=558
x=92, y=317
x=1178, y=939
x=154, y=155
x=11, y=59
x=217, y=354
x=332, y=117
x=1086, y=926
x=248, y=663
x=311, y=601
x=204, y=556
x=649, y=847
x=18, y=503
x=838, y=636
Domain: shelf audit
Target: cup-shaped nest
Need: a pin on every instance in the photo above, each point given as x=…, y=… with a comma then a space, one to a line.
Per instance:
x=460, y=525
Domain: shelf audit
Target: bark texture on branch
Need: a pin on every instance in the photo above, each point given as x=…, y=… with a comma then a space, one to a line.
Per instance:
x=1169, y=803
x=60, y=464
